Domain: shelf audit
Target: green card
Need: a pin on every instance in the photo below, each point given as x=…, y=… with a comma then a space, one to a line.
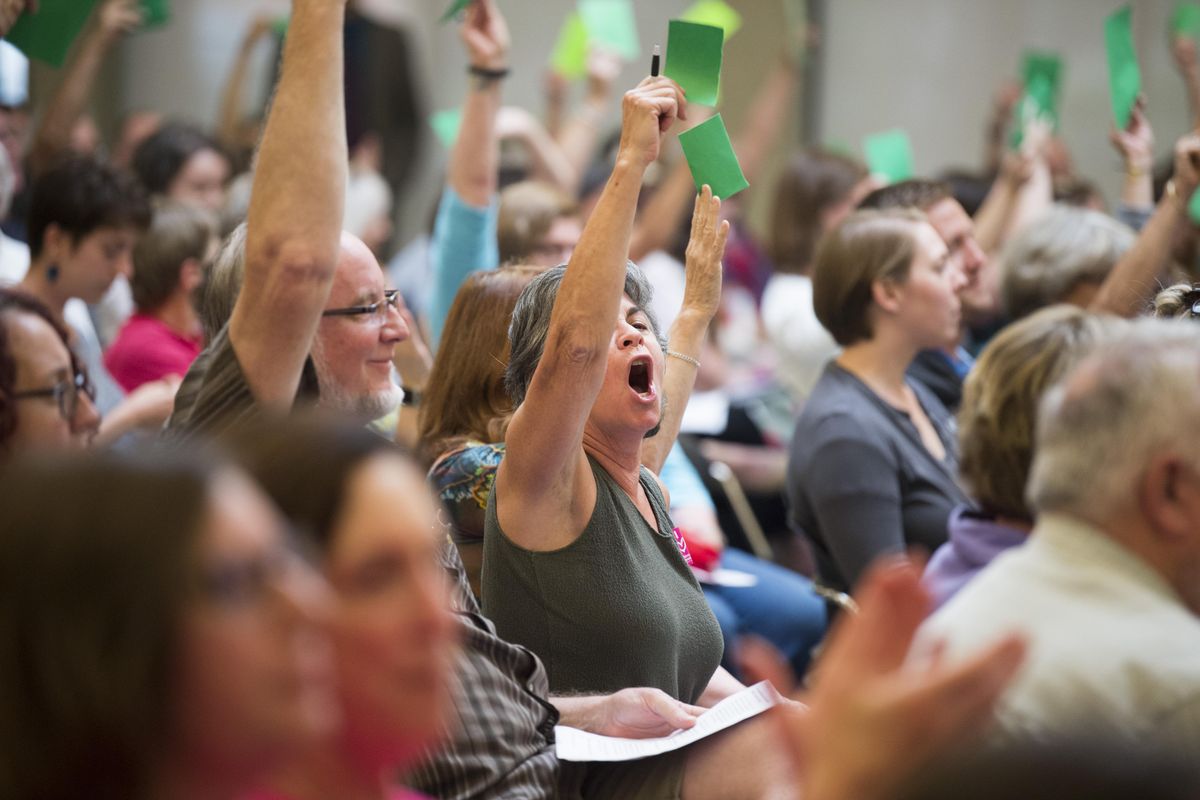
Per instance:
x=717, y=13
x=280, y=26
x=155, y=13
x=889, y=154
x=47, y=34
x=456, y=8
x=445, y=125
x=1194, y=207
x=1124, y=77
x=1185, y=21
x=694, y=60
x=611, y=25
x=1041, y=75
x=710, y=157
x=569, y=58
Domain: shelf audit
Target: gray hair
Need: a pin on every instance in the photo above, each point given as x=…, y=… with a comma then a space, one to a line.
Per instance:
x=1098, y=429
x=1056, y=253
x=531, y=323
x=222, y=282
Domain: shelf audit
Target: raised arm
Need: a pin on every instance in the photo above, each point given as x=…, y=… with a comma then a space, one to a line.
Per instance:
x=701, y=297
x=547, y=161
x=1183, y=50
x=1136, y=146
x=464, y=234
x=112, y=20
x=1133, y=281
x=233, y=95
x=295, y=219
x=577, y=136
x=545, y=462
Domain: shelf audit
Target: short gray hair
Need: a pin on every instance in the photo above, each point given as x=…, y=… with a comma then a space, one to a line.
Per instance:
x=1128, y=401
x=222, y=282
x=531, y=323
x=1053, y=255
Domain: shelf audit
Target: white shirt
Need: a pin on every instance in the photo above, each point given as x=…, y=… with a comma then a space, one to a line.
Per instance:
x=802, y=345
x=1111, y=646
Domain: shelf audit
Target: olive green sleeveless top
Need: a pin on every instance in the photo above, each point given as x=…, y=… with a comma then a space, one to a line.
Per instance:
x=616, y=608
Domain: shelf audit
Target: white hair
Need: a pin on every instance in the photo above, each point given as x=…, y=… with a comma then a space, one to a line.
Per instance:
x=1135, y=398
x=362, y=407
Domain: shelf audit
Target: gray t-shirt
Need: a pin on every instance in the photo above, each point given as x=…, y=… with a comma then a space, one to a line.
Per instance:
x=861, y=483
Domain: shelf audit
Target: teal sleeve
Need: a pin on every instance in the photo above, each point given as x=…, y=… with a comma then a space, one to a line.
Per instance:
x=464, y=240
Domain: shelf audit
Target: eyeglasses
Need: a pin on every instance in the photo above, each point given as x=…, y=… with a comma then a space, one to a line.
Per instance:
x=376, y=311
x=65, y=393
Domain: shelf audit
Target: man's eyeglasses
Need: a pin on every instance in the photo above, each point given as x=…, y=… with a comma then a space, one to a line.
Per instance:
x=65, y=393
x=376, y=311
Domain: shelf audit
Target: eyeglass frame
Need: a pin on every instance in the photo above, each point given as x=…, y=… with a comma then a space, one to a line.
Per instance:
x=64, y=391
x=391, y=299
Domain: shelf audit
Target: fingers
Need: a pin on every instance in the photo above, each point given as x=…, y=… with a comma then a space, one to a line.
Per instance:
x=961, y=700
x=674, y=713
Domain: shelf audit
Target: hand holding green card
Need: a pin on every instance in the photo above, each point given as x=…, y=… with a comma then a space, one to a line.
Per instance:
x=889, y=154
x=710, y=157
x=456, y=8
x=569, y=58
x=1185, y=21
x=694, y=60
x=47, y=34
x=1125, y=79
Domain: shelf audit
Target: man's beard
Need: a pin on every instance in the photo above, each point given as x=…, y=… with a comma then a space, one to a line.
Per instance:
x=362, y=407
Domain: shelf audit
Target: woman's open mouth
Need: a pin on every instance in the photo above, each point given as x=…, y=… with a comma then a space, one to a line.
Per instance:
x=640, y=378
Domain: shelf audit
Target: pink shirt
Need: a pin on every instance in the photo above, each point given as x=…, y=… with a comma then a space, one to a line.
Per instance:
x=146, y=349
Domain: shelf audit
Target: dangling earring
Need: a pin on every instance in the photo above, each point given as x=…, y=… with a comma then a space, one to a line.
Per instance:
x=52, y=273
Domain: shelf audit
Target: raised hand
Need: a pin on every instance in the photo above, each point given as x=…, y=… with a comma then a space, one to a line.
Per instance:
x=702, y=260
x=10, y=11
x=647, y=112
x=119, y=17
x=1136, y=142
x=485, y=34
x=1187, y=166
x=603, y=69
x=1183, y=52
x=871, y=722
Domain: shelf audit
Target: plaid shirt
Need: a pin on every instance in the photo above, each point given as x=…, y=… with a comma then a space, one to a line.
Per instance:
x=500, y=741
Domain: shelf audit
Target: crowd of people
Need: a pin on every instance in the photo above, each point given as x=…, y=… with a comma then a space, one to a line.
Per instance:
x=290, y=511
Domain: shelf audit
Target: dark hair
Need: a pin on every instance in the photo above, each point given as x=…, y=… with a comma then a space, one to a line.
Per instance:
x=969, y=188
x=913, y=193
x=814, y=181
x=177, y=233
x=303, y=463
x=531, y=323
x=472, y=355
x=92, y=592
x=162, y=155
x=79, y=195
x=15, y=301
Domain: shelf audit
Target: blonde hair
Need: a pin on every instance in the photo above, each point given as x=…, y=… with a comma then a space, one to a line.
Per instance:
x=527, y=211
x=868, y=246
x=1177, y=301
x=998, y=418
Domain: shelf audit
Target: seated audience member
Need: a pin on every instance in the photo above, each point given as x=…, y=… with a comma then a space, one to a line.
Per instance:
x=814, y=194
x=46, y=400
x=1105, y=590
x=164, y=336
x=305, y=287
x=180, y=163
x=84, y=220
x=364, y=508
x=537, y=225
x=168, y=638
x=572, y=506
x=995, y=437
x=873, y=459
x=1062, y=257
x=942, y=367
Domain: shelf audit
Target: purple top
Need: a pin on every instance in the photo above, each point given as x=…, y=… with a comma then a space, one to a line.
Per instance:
x=975, y=539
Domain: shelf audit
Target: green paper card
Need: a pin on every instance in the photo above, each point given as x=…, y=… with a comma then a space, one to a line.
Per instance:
x=1185, y=21
x=47, y=34
x=717, y=13
x=280, y=26
x=710, y=157
x=1124, y=77
x=1041, y=74
x=456, y=8
x=694, y=60
x=1194, y=207
x=611, y=25
x=889, y=154
x=155, y=13
x=445, y=125
x=569, y=58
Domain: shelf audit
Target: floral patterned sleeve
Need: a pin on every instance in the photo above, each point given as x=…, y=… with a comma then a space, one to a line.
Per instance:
x=463, y=479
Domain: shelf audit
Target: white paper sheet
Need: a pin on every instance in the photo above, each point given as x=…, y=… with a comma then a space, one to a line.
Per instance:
x=732, y=578
x=576, y=745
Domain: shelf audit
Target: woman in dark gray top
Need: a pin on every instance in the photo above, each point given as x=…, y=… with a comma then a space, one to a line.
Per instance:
x=873, y=458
